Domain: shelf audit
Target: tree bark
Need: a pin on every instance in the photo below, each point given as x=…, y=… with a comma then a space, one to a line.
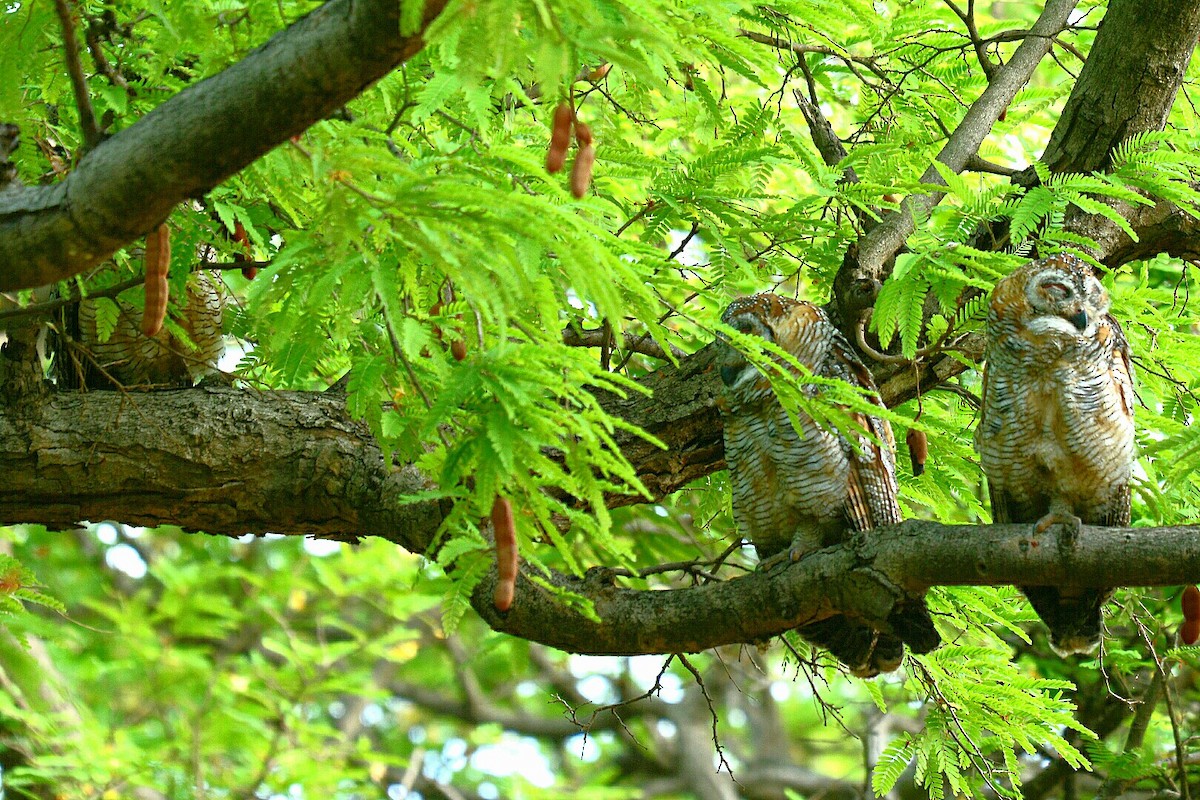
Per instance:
x=231, y=462
x=1128, y=83
x=129, y=184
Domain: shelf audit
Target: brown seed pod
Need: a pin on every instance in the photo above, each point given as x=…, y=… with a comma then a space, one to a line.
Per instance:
x=505, y=530
x=599, y=72
x=249, y=272
x=581, y=170
x=458, y=349
x=560, y=138
x=918, y=449
x=583, y=134
x=1190, y=601
x=158, y=264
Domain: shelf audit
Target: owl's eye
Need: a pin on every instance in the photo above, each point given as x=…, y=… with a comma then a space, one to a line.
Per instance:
x=1059, y=291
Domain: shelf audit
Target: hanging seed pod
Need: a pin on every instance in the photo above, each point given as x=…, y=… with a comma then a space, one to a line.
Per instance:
x=560, y=138
x=581, y=170
x=158, y=265
x=918, y=449
x=505, y=531
x=1190, y=601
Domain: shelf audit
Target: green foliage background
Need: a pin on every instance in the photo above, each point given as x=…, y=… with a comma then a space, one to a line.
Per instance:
x=230, y=668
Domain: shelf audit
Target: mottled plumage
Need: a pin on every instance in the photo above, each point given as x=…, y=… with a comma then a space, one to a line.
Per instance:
x=135, y=360
x=797, y=491
x=1055, y=435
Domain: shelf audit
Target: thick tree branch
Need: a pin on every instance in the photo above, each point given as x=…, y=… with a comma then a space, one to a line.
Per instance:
x=189, y=144
x=231, y=462
x=1128, y=83
x=858, y=579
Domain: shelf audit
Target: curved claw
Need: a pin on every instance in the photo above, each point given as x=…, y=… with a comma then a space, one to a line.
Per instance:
x=789, y=556
x=1070, y=521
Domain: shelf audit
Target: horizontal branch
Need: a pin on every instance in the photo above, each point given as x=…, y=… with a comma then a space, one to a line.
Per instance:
x=230, y=462
x=130, y=182
x=863, y=579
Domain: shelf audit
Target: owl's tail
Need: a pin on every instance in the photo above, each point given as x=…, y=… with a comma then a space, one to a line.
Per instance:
x=1073, y=619
x=867, y=652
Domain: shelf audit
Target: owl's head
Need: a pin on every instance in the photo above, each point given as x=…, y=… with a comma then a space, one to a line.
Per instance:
x=788, y=323
x=1057, y=298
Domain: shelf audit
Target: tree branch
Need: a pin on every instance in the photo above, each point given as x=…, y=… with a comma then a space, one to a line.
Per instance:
x=1128, y=83
x=885, y=240
x=230, y=462
x=131, y=181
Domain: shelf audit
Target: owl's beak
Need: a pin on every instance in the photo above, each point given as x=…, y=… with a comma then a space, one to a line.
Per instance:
x=1079, y=319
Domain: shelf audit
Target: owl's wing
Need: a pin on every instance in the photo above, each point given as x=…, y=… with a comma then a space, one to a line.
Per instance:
x=871, y=501
x=1118, y=513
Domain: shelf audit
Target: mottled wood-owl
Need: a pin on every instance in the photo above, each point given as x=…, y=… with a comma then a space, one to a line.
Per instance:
x=799, y=489
x=1055, y=435
x=131, y=359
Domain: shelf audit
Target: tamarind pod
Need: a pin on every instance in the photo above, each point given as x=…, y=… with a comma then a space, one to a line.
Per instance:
x=249, y=272
x=1190, y=601
x=458, y=349
x=158, y=264
x=918, y=449
x=560, y=137
x=581, y=170
x=506, y=553
x=434, y=310
x=597, y=75
x=583, y=134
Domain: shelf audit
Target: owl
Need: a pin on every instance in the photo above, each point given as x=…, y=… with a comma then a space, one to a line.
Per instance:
x=1055, y=435
x=131, y=359
x=797, y=489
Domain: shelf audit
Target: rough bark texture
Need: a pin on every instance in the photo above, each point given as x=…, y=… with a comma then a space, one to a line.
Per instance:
x=189, y=144
x=860, y=579
x=220, y=460
x=1128, y=83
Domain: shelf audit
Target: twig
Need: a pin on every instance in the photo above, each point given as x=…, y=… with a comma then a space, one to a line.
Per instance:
x=803, y=49
x=87, y=115
x=712, y=712
x=637, y=343
x=980, y=45
x=92, y=36
x=38, y=309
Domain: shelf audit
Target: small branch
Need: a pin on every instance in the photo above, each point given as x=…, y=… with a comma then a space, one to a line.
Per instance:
x=87, y=115
x=803, y=49
x=95, y=47
x=637, y=343
x=886, y=239
x=42, y=309
x=978, y=164
x=980, y=44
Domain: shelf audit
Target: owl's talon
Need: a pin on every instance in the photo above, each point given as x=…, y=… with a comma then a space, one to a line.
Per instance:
x=1070, y=524
x=787, y=557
